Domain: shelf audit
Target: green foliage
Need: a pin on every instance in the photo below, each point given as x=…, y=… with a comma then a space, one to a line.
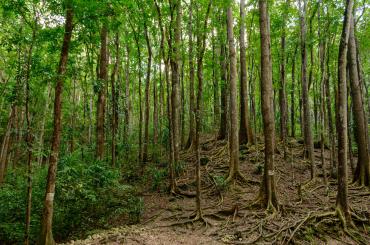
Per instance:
x=220, y=183
x=156, y=177
x=89, y=195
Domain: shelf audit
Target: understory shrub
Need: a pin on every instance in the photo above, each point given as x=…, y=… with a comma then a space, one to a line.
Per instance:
x=89, y=195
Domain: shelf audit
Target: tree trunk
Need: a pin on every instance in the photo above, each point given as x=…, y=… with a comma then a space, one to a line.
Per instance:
x=322, y=53
x=147, y=87
x=234, y=132
x=191, y=137
x=201, y=45
x=5, y=144
x=103, y=78
x=362, y=172
x=245, y=130
x=342, y=195
x=175, y=79
x=292, y=99
x=282, y=90
x=215, y=79
x=114, y=101
x=268, y=191
x=47, y=217
x=127, y=94
x=305, y=96
x=166, y=68
x=222, y=134
x=29, y=136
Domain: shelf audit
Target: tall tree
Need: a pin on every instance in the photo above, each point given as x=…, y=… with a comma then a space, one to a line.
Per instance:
x=191, y=137
x=47, y=216
x=103, y=78
x=308, y=141
x=342, y=195
x=201, y=45
x=282, y=88
x=362, y=172
x=114, y=100
x=147, y=86
x=268, y=192
x=245, y=130
x=174, y=43
x=234, y=137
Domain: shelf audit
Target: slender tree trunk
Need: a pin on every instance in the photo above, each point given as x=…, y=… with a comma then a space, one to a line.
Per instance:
x=362, y=172
x=245, y=130
x=282, y=90
x=222, y=134
x=201, y=45
x=47, y=217
x=127, y=94
x=114, y=101
x=29, y=135
x=292, y=99
x=166, y=70
x=305, y=96
x=215, y=79
x=147, y=88
x=268, y=191
x=329, y=116
x=103, y=77
x=155, y=111
x=234, y=132
x=342, y=195
x=175, y=78
x=191, y=137
x=322, y=53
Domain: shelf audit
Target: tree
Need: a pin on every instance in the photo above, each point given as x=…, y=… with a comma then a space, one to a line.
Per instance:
x=47, y=216
x=308, y=142
x=234, y=137
x=342, y=195
x=201, y=45
x=362, y=172
x=147, y=86
x=282, y=90
x=103, y=77
x=191, y=137
x=245, y=130
x=267, y=192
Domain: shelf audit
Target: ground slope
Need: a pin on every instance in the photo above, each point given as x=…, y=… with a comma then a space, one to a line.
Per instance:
x=305, y=207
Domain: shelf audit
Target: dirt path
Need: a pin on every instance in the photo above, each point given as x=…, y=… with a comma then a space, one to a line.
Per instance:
x=230, y=217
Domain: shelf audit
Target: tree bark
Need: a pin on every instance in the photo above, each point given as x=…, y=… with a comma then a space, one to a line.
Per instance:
x=127, y=94
x=305, y=96
x=201, y=45
x=222, y=133
x=362, y=172
x=114, y=101
x=282, y=90
x=175, y=79
x=245, y=130
x=47, y=217
x=292, y=93
x=234, y=132
x=268, y=191
x=147, y=88
x=191, y=137
x=342, y=195
x=103, y=78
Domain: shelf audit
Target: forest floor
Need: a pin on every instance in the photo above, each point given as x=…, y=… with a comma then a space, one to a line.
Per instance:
x=305, y=215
